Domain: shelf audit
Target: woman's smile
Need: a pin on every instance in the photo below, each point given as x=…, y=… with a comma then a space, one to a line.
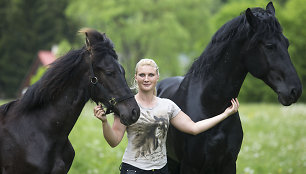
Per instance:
x=146, y=78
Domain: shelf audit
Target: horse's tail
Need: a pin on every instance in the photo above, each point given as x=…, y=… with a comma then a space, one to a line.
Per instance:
x=4, y=108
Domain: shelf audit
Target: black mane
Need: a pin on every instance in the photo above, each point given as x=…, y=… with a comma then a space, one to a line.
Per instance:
x=5, y=107
x=61, y=73
x=236, y=29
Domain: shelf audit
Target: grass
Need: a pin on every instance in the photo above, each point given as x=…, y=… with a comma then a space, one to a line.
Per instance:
x=274, y=142
x=93, y=154
x=274, y=139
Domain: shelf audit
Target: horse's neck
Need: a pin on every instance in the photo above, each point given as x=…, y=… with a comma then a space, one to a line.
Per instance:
x=70, y=106
x=224, y=83
x=64, y=112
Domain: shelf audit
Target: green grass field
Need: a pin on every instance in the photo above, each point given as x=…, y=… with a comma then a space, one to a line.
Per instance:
x=274, y=142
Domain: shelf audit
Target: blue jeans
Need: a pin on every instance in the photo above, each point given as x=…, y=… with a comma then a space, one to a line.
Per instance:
x=129, y=169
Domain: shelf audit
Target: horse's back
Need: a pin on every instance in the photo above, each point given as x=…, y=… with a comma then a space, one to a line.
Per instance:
x=167, y=87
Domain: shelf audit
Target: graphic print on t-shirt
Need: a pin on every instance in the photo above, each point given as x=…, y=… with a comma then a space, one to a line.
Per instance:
x=151, y=132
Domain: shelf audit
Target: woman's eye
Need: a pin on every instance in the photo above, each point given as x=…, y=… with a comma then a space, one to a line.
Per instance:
x=141, y=75
x=151, y=75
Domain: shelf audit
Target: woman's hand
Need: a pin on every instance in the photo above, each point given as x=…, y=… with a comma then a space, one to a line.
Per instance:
x=100, y=113
x=233, y=108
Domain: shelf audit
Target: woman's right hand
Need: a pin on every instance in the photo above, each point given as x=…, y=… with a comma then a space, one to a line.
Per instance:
x=100, y=113
x=233, y=108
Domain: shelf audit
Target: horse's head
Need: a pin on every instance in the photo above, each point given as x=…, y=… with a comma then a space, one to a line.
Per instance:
x=266, y=55
x=107, y=78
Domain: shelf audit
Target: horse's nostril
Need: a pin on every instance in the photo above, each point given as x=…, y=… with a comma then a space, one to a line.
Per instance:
x=134, y=112
x=293, y=93
x=134, y=115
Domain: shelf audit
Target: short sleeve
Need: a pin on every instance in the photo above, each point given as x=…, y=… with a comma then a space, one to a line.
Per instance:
x=173, y=110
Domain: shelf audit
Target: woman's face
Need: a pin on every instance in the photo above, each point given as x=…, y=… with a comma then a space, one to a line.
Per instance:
x=146, y=78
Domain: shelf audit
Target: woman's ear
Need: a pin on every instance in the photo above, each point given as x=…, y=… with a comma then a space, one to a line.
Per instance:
x=135, y=77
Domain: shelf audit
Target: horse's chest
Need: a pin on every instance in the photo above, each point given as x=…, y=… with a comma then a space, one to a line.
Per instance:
x=206, y=145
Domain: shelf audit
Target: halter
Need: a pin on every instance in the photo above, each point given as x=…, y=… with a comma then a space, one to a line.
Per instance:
x=109, y=101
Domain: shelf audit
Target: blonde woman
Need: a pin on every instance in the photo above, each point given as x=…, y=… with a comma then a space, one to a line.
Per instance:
x=146, y=149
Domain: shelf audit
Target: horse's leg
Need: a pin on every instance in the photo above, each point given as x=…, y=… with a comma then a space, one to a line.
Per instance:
x=68, y=155
x=235, y=136
x=173, y=166
x=229, y=166
x=187, y=169
x=64, y=159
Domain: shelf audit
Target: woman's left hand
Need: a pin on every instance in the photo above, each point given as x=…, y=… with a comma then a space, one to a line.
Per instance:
x=233, y=108
x=100, y=113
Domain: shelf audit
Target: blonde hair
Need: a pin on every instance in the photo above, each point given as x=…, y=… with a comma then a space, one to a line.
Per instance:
x=143, y=62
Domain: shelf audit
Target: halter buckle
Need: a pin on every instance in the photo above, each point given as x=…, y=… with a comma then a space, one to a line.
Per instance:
x=94, y=80
x=112, y=101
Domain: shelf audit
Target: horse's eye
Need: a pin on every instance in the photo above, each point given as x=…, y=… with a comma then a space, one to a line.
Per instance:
x=109, y=73
x=269, y=46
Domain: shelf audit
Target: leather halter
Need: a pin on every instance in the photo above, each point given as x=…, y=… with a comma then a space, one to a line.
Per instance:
x=109, y=101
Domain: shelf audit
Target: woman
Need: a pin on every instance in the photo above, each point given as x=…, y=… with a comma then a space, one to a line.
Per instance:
x=146, y=149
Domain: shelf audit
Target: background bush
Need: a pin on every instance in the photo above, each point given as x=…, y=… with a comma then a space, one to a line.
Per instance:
x=171, y=32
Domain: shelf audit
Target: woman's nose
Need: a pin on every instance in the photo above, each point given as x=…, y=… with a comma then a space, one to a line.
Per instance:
x=146, y=78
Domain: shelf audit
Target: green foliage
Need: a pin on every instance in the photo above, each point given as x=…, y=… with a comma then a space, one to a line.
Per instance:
x=63, y=48
x=3, y=102
x=255, y=90
x=173, y=33
x=293, y=22
x=274, y=141
x=26, y=27
x=38, y=75
x=162, y=30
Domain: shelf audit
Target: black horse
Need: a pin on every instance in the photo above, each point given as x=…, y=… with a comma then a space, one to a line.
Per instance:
x=252, y=42
x=34, y=129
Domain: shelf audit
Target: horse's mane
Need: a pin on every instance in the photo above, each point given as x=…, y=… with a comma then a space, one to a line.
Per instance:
x=54, y=81
x=63, y=72
x=236, y=29
x=5, y=107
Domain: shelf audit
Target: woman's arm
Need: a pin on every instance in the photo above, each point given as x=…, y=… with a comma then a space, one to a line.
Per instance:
x=183, y=122
x=113, y=135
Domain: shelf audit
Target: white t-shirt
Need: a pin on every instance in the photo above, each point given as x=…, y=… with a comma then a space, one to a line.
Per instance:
x=146, y=147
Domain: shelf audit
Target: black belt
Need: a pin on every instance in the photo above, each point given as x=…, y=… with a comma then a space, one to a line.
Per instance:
x=129, y=169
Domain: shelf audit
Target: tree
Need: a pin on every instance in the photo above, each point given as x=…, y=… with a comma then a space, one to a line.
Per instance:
x=162, y=30
x=26, y=27
x=293, y=22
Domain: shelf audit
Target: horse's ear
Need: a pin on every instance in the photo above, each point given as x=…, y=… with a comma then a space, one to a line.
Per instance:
x=104, y=36
x=252, y=20
x=270, y=8
x=87, y=42
x=92, y=36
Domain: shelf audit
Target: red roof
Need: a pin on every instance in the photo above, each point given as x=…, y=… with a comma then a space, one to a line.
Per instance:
x=46, y=57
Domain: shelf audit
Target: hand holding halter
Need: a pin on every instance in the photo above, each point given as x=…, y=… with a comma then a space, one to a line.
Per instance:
x=100, y=113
